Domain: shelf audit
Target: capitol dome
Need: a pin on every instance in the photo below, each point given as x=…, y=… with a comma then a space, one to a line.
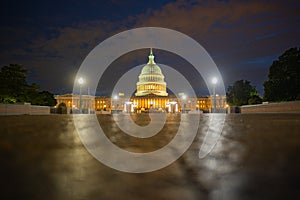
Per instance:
x=151, y=80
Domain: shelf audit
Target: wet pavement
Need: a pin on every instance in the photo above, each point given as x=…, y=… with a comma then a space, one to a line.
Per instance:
x=256, y=157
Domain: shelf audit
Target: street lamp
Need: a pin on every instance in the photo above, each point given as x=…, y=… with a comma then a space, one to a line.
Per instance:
x=184, y=105
x=214, y=82
x=115, y=103
x=80, y=82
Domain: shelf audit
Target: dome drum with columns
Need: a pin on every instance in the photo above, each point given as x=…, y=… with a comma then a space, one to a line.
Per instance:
x=151, y=80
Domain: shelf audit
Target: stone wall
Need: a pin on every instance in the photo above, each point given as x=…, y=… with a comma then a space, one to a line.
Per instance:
x=23, y=109
x=281, y=107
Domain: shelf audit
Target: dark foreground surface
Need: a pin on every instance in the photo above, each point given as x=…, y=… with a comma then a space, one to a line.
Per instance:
x=257, y=157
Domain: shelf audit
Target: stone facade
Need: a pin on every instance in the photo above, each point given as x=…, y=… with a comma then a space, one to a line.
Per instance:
x=141, y=104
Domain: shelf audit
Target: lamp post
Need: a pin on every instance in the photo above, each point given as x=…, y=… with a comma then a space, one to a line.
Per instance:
x=80, y=82
x=214, y=82
x=115, y=103
x=184, y=105
x=89, y=99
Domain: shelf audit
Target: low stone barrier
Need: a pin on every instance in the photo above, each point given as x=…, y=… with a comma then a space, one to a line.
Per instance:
x=23, y=109
x=103, y=112
x=281, y=107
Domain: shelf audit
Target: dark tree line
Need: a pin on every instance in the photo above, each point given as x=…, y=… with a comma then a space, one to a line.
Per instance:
x=284, y=77
x=242, y=93
x=14, y=88
x=283, y=83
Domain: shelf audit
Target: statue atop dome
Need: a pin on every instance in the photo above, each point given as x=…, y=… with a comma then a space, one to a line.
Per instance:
x=151, y=80
x=151, y=57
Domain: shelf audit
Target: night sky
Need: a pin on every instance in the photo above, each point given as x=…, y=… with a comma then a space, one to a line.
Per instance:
x=51, y=38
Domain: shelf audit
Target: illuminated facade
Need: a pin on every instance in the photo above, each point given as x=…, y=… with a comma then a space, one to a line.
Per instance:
x=73, y=101
x=151, y=95
x=103, y=103
x=172, y=104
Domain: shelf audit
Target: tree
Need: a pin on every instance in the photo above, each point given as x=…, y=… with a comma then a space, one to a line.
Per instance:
x=32, y=94
x=284, y=77
x=14, y=88
x=46, y=99
x=254, y=99
x=242, y=93
x=62, y=108
x=12, y=83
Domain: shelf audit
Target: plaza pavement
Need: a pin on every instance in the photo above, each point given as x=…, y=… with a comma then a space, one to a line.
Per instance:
x=256, y=157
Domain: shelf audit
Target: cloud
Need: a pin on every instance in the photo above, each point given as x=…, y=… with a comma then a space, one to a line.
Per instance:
x=233, y=32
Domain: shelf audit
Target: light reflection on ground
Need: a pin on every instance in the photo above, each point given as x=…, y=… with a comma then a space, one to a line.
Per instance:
x=256, y=157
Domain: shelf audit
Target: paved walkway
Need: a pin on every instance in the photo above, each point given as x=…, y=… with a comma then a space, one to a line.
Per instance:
x=257, y=157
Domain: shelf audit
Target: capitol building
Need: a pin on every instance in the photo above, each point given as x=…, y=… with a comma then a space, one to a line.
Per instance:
x=151, y=95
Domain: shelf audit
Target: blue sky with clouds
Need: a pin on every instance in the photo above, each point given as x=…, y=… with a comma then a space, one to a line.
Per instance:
x=51, y=38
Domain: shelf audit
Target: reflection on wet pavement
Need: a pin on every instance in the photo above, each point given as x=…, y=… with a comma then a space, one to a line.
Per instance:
x=256, y=157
